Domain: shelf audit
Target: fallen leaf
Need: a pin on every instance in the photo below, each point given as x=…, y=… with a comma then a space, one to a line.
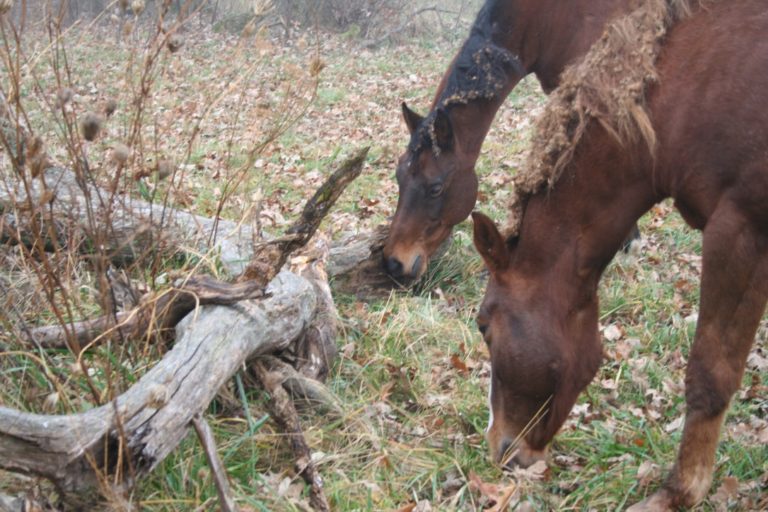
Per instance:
x=508, y=495
x=647, y=472
x=489, y=491
x=457, y=363
x=612, y=332
x=674, y=424
x=537, y=471
x=729, y=488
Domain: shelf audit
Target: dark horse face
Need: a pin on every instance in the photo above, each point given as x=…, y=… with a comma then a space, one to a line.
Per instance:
x=531, y=324
x=437, y=190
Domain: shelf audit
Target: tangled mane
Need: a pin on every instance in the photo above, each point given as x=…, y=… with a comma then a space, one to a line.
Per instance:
x=608, y=86
x=480, y=71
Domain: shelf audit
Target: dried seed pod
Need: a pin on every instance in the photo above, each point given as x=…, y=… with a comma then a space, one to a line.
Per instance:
x=110, y=105
x=90, y=125
x=36, y=158
x=250, y=28
x=5, y=6
x=164, y=168
x=137, y=6
x=34, y=146
x=120, y=153
x=63, y=96
x=128, y=28
x=51, y=401
x=175, y=42
x=316, y=66
x=123, y=4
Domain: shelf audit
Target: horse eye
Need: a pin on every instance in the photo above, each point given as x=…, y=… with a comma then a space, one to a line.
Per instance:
x=482, y=327
x=435, y=190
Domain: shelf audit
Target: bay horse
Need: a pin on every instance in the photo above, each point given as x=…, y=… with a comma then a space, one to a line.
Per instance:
x=436, y=174
x=708, y=151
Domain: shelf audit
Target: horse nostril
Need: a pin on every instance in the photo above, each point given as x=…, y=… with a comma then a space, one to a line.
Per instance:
x=416, y=266
x=507, y=455
x=394, y=267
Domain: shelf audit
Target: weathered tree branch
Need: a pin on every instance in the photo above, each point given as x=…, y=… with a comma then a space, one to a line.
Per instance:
x=154, y=316
x=272, y=255
x=125, y=439
x=159, y=313
x=205, y=434
x=147, y=422
x=284, y=412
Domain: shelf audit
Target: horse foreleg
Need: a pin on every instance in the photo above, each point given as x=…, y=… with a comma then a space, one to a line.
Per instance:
x=734, y=289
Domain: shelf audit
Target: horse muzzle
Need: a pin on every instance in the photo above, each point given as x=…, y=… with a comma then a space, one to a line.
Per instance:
x=521, y=455
x=400, y=272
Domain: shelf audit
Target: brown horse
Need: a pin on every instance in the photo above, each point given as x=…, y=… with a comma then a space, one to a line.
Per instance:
x=539, y=316
x=436, y=174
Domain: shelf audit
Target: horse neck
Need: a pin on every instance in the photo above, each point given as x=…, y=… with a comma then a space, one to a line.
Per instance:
x=571, y=232
x=472, y=122
x=546, y=35
x=563, y=32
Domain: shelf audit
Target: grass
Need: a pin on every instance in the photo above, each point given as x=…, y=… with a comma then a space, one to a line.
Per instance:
x=413, y=372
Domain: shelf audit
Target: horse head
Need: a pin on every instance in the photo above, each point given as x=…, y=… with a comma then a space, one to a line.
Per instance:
x=437, y=190
x=531, y=323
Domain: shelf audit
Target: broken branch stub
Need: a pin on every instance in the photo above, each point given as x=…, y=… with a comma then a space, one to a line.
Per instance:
x=270, y=256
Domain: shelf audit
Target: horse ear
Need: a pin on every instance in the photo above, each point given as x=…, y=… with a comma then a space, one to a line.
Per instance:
x=489, y=243
x=443, y=130
x=412, y=119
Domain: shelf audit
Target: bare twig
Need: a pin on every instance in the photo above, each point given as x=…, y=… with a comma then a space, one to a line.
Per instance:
x=205, y=434
x=284, y=413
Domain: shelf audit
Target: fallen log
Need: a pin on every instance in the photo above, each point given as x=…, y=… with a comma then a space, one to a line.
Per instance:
x=157, y=313
x=64, y=205
x=131, y=435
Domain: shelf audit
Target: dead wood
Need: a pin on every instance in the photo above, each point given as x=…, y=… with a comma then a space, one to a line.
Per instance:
x=270, y=256
x=158, y=313
x=304, y=390
x=355, y=265
x=205, y=434
x=128, y=437
x=124, y=439
x=284, y=413
x=59, y=208
x=313, y=354
x=154, y=316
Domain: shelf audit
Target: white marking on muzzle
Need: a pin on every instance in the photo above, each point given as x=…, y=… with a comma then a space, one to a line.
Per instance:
x=490, y=405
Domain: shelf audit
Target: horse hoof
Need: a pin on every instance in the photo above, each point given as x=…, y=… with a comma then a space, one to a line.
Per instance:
x=661, y=501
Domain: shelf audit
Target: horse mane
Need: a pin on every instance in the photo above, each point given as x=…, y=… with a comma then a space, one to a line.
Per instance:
x=480, y=71
x=608, y=86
